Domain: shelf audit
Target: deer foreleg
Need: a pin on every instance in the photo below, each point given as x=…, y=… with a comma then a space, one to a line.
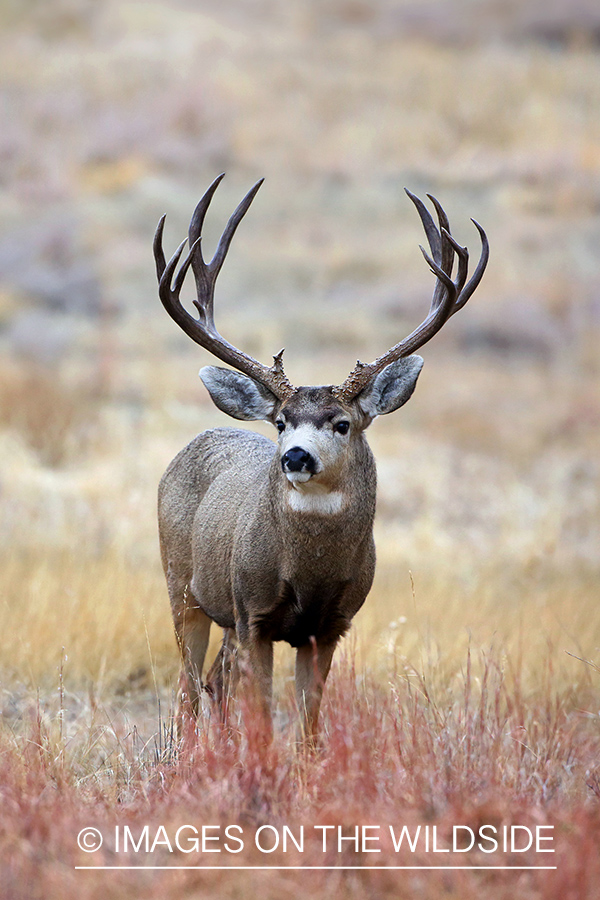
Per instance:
x=258, y=652
x=313, y=661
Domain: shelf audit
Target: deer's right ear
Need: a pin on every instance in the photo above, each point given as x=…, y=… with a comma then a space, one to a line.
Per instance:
x=238, y=395
x=392, y=387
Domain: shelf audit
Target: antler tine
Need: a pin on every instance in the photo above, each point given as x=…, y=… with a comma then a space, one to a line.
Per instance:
x=448, y=297
x=442, y=247
x=463, y=263
x=203, y=330
x=473, y=283
x=159, y=256
x=197, y=220
x=444, y=224
x=433, y=235
x=231, y=227
x=446, y=282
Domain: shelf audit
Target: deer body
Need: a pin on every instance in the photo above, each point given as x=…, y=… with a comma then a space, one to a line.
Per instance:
x=259, y=544
x=246, y=549
x=274, y=541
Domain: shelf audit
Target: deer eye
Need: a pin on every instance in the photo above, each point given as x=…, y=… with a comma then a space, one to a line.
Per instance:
x=341, y=427
x=280, y=426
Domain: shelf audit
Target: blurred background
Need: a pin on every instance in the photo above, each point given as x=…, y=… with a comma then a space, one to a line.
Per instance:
x=116, y=111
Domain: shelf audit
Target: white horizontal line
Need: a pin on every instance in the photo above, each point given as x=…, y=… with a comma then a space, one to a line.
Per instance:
x=329, y=868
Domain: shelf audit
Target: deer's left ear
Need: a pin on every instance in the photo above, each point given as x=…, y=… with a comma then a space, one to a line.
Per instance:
x=391, y=388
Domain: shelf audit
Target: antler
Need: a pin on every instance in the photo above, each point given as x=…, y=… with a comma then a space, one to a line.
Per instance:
x=448, y=297
x=203, y=330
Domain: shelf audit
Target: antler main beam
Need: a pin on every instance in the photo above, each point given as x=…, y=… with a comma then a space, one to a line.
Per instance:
x=448, y=297
x=203, y=330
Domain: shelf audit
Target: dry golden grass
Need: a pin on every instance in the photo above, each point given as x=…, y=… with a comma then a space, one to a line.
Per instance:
x=497, y=531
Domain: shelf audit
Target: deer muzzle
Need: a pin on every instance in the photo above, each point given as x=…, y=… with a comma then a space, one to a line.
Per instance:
x=298, y=464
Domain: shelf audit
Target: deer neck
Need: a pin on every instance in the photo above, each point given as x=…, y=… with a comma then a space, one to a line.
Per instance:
x=316, y=499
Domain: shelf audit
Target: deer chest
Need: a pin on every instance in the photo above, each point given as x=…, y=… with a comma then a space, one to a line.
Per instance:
x=317, y=611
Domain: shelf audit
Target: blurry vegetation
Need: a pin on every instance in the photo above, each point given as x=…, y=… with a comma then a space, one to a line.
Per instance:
x=57, y=420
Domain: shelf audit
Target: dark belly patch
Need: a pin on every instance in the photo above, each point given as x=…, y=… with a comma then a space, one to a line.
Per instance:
x=315, y=613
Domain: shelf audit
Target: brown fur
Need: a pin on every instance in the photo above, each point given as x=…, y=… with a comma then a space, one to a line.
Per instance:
x=235, y=552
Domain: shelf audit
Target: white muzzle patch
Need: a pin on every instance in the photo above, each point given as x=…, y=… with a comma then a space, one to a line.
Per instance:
x=298, y=477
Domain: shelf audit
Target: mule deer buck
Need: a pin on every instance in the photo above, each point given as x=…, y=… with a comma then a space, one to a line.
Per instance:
x=274, y=541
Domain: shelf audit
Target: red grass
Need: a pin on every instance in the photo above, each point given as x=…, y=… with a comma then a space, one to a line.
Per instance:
x=405, y=753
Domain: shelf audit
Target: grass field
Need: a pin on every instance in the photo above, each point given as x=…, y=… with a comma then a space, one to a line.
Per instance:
x=468, y=691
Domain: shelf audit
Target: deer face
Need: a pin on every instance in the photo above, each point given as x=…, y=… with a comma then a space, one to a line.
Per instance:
x=317, y=431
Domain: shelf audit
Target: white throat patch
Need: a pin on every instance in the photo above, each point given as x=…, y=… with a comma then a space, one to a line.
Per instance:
x=326, y=503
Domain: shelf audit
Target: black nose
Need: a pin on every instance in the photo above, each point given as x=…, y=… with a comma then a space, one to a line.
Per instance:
x=296, y=459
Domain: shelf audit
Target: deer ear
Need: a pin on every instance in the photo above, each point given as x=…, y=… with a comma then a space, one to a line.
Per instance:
x=391, y=388
x=238, y=395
